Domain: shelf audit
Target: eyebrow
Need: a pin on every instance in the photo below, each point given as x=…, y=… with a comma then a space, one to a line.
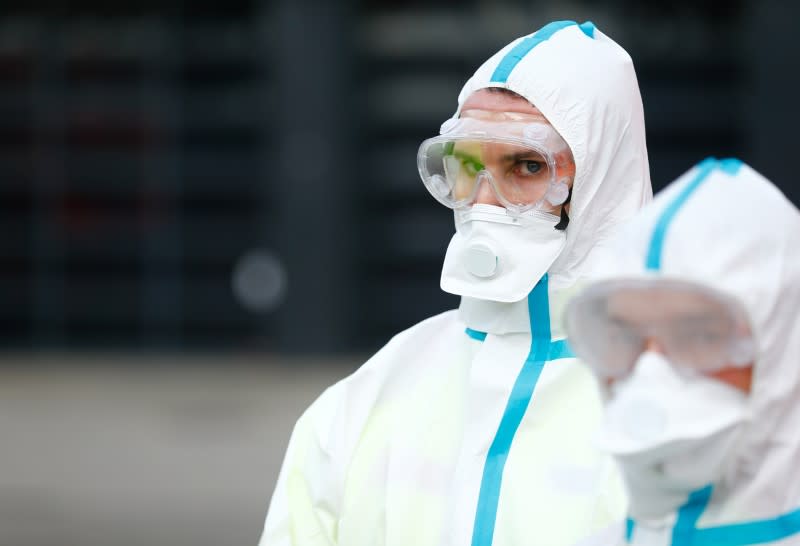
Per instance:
x=512, y=158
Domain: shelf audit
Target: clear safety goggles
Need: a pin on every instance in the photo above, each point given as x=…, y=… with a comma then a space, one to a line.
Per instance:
x=611, y=323
x=518, y=155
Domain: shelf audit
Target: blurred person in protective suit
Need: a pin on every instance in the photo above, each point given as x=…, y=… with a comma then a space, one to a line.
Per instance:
x=473, y=427
x=693, y=334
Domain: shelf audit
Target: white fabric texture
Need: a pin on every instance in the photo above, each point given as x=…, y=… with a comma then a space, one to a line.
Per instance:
x=737, y=233
x=396, y=454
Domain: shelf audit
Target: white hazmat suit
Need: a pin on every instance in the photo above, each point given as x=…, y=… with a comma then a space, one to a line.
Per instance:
x=473, y=427
x=724, y=226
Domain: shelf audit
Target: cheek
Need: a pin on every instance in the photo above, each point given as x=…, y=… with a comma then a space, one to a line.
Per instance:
x=565, y=165
x=740, y=378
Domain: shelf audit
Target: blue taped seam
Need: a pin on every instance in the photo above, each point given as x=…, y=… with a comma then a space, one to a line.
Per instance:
x=686, y=533
x=730, y=165
x=475, y=334
x=629, y=526
x=653, y=261
x=688, y=514
x=588, y=28
x=518, y=52
x=560, y=349
x=752, y=532
x=517, y=405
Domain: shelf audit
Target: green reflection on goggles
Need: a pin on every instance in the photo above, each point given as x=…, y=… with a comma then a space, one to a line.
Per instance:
x=466, y=160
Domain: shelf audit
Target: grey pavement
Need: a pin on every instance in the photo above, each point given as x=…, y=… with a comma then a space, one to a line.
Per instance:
x=169, y=451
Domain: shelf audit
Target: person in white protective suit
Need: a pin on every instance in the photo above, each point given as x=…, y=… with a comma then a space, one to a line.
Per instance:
x=693, y=332
x=473, y=427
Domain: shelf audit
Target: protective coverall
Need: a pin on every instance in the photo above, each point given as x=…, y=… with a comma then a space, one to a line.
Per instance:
x=725, y=226
x=474, y=426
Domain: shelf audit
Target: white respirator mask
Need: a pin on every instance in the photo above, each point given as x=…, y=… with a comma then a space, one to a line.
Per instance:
x=498, y=256
x=671, y=430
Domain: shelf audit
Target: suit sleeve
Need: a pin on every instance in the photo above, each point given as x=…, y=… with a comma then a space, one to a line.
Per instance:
x=304, y=509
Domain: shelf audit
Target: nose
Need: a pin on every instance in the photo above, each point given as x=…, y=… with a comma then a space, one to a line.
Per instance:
x=651, y=345
x=486, y=194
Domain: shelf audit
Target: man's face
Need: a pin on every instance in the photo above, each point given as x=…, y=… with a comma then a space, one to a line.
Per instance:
x=483, y=102
x=694, y=326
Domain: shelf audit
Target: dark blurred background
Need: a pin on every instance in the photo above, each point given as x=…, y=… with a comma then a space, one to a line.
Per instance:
x=211, y=210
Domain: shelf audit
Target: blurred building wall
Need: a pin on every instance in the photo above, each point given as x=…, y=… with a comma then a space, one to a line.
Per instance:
x=241, y=175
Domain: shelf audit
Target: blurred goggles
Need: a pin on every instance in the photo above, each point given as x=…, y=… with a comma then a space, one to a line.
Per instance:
x=610, y=323
x=517, y=154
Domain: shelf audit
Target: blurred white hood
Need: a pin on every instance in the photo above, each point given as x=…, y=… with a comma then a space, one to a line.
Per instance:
x=725, y=225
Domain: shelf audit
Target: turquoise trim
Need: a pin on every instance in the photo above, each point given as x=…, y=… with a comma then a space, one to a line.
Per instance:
x=752, y=532
x=730, y=165
x=688, y=514
x=629, y=527
x=686, y=533
x=521, y=394
x=518, y=52
x=653, y=261
x=588, y=28
x=475, y=334
x=560, y=349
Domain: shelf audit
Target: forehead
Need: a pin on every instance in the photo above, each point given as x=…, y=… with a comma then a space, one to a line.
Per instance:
x=494, y=101
x=491, y=152
x=653, y=305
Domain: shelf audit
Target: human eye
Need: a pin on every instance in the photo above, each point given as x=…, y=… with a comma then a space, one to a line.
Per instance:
x=527, y=167
x=621, y=333
x=709, y=337
x=532, y=167
x=700, y=337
